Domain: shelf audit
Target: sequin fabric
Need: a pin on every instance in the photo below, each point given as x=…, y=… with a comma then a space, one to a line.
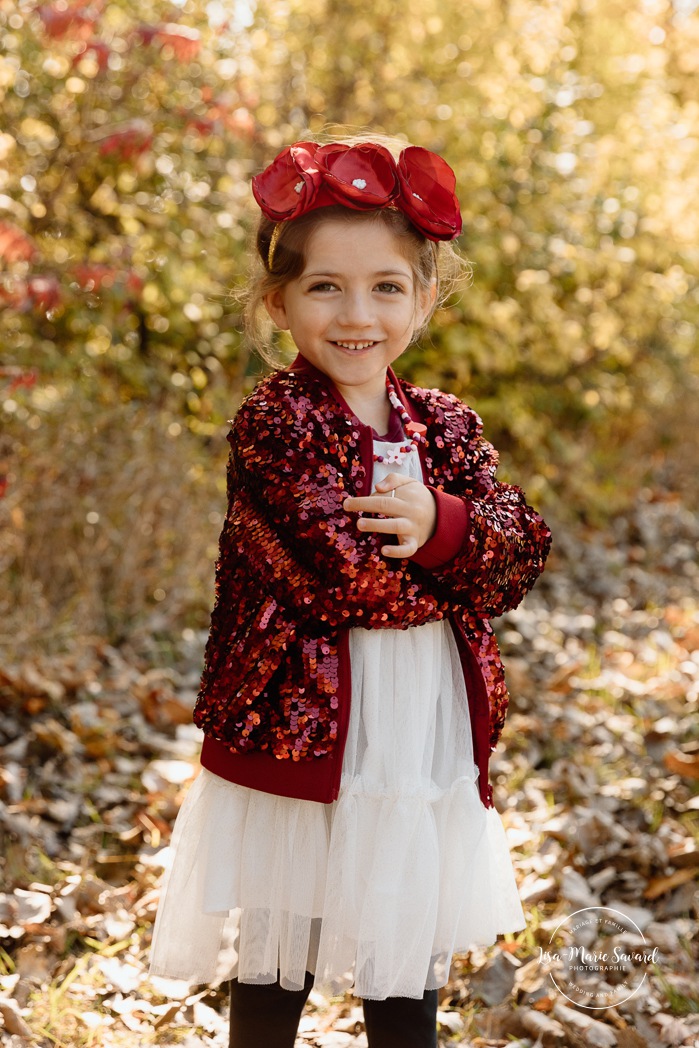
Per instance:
x=294, y=570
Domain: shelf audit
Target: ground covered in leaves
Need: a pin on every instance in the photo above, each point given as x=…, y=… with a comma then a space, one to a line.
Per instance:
x=595, y=780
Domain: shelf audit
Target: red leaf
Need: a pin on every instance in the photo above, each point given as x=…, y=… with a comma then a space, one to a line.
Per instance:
x=219, y=116
x=147, y=33
x=15, y=245
x=19, y=378
x=201, y=124
x=15, y=296
x=128, y=141
x=94, y=276
x=44, y=291
x=133, y=281
x=65, y=21
x=241, y=122
x=101, y=50
x=184, y=41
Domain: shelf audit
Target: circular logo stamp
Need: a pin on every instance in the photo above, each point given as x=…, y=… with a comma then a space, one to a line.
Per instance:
x=604, y=961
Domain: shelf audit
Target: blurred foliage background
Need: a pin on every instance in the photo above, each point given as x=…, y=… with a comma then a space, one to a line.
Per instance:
x=128, y=137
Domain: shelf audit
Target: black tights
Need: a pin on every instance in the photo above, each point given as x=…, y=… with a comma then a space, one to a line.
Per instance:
x=267, y=1016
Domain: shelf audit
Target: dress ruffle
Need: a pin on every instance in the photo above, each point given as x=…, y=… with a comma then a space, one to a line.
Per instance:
x=376, y=891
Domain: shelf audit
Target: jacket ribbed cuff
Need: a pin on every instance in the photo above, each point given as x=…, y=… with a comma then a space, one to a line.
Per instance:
x=450, y=532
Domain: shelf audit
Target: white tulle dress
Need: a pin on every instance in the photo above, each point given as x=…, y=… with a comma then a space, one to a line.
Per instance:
x=374, y=892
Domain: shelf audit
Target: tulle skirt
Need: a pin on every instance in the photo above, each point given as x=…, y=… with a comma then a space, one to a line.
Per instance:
x=374, y=892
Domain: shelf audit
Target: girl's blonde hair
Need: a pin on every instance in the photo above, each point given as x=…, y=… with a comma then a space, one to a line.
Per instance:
x=434, y=264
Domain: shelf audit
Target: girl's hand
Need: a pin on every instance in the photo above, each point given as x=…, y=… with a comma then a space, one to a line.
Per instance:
x=410, y=514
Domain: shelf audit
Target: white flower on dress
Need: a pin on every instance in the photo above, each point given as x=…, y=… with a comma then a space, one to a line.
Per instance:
x=394, y=457
x=299, y=186
x=360, y=183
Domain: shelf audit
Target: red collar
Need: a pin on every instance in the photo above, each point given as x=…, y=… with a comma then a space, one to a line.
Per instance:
x=301, y=364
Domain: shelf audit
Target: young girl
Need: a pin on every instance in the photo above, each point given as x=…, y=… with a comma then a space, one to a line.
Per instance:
x=342, y=832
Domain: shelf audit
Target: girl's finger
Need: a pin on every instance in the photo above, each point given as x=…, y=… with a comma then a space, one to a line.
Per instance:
x=392, y=506
x=392, y=525
x=407, y=549
x=392, y=481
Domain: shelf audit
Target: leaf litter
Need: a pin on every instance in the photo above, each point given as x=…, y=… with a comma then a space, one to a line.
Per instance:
x=596, y=782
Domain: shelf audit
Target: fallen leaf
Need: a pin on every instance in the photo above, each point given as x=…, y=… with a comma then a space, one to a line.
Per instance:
x=682, y=764
x=660, y=885
x=22, y=908
x=686, y=853
x=12, y=1018
x=673, y=1030
x=495, y=981
x=594, y=1033
x=547, y=1031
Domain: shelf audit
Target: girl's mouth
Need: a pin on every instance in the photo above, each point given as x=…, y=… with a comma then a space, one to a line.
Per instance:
x=355, y=345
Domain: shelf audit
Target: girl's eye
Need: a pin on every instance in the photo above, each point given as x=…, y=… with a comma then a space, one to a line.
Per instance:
x=325, y=286
x=387, y=287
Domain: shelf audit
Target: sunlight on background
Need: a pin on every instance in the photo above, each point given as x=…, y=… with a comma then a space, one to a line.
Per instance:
x=126, y=155
x=240, y=12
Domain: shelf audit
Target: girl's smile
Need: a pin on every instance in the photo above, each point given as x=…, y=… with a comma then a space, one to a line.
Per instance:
x=354, y=308
x=356, y=345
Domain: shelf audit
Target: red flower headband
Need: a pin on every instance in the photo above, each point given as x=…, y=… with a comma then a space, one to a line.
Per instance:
x=364, y=177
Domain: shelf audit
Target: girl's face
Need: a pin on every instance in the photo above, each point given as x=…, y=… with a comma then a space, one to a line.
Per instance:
x=354, y=308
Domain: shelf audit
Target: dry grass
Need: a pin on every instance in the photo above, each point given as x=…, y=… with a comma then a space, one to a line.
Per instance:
x=109, y=522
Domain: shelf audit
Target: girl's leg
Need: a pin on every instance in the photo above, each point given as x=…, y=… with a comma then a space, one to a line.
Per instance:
x=265, y=1014
x=401, y=1022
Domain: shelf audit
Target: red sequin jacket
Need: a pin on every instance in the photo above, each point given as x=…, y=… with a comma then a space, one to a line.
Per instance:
x=295, y=574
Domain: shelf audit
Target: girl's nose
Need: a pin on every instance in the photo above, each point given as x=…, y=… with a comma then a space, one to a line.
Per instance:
x=356, y=310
